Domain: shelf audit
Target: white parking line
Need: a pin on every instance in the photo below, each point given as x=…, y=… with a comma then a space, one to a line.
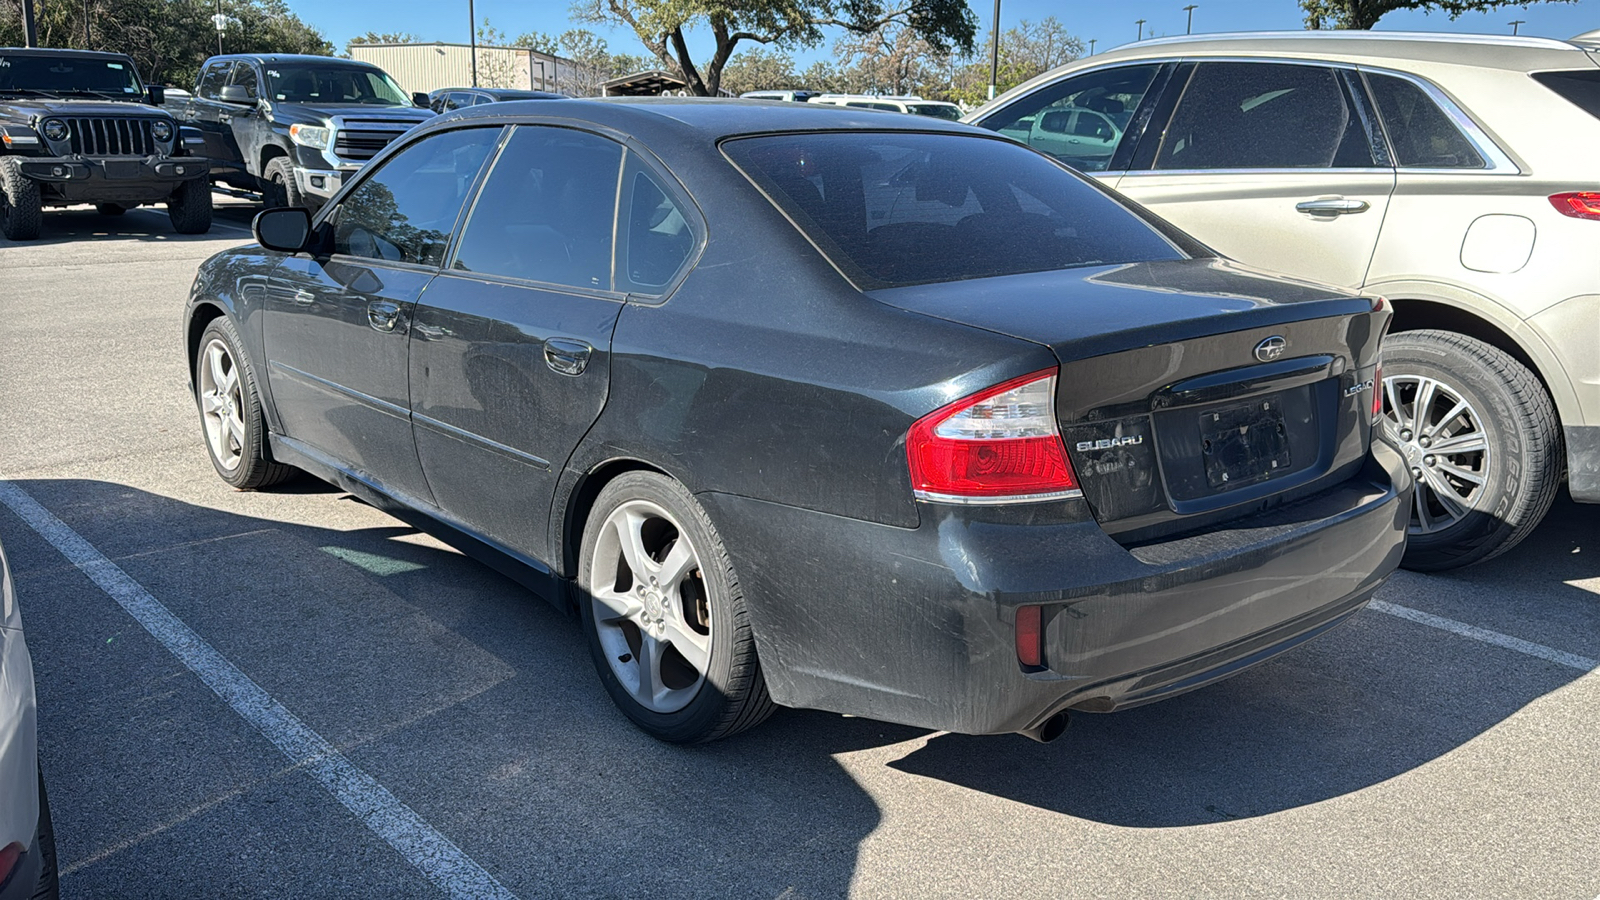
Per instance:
x=445, y=864
x=1486, y=636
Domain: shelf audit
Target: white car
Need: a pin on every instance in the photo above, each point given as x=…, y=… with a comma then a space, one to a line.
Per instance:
x=916, y=106
x=27, y=841
x=1451, y=174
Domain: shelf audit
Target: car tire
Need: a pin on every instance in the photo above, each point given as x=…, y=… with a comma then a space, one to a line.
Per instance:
x=230, y=411
x=189, y=208
x=1493, y=475
x=21, y=207
x=281, y=190
x=655, y=581
x=48, y=887
x=110, y=209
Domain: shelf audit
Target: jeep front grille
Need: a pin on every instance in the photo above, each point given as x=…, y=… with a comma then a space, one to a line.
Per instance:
x=111, y=136
x=361, y=141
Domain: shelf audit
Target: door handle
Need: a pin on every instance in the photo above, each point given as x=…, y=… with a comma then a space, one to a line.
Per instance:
x=383, y=315
x=566, y=356
x=224, y=119
x=304, y=298
x=1334, y=206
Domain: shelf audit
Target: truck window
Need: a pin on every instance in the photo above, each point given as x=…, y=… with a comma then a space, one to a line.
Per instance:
x=212, y=80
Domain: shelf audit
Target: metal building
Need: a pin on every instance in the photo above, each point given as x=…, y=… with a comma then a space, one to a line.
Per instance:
x=428, y=67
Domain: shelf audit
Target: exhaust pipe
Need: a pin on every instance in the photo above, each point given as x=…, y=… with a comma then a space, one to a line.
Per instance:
x=1048, y=730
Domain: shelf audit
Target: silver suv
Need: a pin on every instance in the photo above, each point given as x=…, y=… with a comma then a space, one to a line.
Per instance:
x=1453, y=175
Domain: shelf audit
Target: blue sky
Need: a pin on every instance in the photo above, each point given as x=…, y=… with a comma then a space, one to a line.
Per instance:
x=1110, y=23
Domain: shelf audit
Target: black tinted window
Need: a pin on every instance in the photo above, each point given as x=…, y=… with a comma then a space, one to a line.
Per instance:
x=406, y=211
x=1422, y=135
x=547, y=210
x=1043, y=119
x=244, y=75
x=1264, y=116
x=66, y=74
x=212, y=80
x=896, y=209
x=1580, y=88
x=656, y=237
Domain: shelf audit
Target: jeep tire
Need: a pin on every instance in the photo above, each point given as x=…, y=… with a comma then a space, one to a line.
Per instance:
x=21, y=209
x=189, y=207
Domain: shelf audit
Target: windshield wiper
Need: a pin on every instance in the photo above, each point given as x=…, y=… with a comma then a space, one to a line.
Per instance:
x=110, y=95
x=32, y=91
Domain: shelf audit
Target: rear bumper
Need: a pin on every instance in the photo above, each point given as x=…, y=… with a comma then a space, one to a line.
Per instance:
x=917, y=626
x=136, y=179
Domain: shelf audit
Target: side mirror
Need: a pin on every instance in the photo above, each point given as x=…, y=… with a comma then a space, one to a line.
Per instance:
x=286, y=229
x=420, y=100
x=235, y=93
x=156, y=94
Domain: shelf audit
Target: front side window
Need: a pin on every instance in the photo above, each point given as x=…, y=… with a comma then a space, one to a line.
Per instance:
x=1422, y=134
x=334, y=84
x=407, y=209
x=547, y=210
x=212, y=80
x=244, y=75
x=1043, y=119
x=894, y=209
x=1264, y=116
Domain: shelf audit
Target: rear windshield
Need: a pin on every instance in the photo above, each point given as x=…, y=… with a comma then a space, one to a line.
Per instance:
x=893, y=209
x=1581, y=88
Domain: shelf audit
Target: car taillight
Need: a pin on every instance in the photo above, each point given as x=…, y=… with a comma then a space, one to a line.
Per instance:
x=1000, y=445
x=1578, y=204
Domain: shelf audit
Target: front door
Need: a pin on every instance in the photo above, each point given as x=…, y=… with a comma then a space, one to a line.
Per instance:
x=1276, y=165
x=336, y=327
x=204, y=113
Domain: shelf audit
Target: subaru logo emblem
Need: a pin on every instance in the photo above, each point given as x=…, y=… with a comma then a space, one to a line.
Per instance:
x=1271, y=348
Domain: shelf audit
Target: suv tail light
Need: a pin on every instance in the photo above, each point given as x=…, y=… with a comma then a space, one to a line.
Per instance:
x=1000, y=445
x=1578, y=204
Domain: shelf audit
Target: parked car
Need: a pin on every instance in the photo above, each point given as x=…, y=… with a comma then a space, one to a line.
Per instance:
x=446, y=99
x=817, y=407
x=787, y=96
x=1449, y=173
x=938, y=109
x=293, y=128
x=81, y=127
x=27, y=840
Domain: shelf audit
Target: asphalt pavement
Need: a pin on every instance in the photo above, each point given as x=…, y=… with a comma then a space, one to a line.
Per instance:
x=290, y=693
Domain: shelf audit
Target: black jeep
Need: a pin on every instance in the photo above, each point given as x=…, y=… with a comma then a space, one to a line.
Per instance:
x=77, y=126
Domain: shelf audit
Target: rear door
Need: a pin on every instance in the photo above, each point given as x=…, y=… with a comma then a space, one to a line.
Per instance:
x=1277, y=165
x=510, y=359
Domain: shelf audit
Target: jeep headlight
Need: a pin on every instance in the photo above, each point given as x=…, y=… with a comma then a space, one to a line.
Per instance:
x=161, y=130
x=55, y=129
x=314, y=136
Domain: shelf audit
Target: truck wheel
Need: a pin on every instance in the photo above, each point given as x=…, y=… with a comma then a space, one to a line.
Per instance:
x=110, y=209
x=281, y=187
x=189, y=207
x=1480, y=435
x=21, y=209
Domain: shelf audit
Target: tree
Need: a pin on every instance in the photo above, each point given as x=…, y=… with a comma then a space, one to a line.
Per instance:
x=661, y=26
x=387, y=37
x=760, y=69
x=1363, y=14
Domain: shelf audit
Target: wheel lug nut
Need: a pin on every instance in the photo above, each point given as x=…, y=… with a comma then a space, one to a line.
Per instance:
x=1426, y=442
x=1428, y=460
x=1405, y=434
x=1416, y=471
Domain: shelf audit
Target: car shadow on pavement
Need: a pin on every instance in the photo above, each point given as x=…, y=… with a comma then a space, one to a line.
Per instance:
x=1378, y=697
x=150, y=224
x=470, y=699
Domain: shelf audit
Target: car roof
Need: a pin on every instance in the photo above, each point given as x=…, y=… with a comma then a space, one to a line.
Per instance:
x=293, y=57
x=59, y=51
x=1483, y=50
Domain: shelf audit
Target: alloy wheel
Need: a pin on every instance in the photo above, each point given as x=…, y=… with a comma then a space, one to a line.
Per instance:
x=651, y=611
x=1445, y=445
x=222, y=404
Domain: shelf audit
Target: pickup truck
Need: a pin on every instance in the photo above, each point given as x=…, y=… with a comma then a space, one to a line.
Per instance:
x=293, y=128
x=78, y=126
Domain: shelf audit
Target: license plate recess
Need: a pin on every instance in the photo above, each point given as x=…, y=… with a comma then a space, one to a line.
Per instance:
x=1244, y=443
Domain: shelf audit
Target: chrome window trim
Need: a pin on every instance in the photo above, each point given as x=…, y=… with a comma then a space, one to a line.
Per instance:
x=1368, y=170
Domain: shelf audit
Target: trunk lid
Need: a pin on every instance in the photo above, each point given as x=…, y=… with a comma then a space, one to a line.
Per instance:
x=1191, y=391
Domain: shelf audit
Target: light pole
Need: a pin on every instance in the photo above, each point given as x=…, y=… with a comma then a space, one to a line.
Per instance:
x=1189, y=28
x=88, y=40
x=1140, y=23
x=30, y=34
x=1091, y=46
x=221, y=21
x=994, y=50
x=1515, y=22
x=472, y=37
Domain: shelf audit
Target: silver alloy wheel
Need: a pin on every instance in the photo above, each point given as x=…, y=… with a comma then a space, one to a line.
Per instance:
x=222, y=404
x=1445, y=446
x=651, y=611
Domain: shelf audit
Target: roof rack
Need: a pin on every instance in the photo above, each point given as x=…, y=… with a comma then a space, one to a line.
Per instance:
x=1503, y=40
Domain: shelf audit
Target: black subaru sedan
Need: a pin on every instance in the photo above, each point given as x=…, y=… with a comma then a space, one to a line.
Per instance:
x=809, y=407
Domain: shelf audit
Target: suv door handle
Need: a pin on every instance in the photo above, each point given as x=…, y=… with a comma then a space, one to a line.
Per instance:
x=1335, y=206
x=383, y=315
x=304, y=297
x=567, y=356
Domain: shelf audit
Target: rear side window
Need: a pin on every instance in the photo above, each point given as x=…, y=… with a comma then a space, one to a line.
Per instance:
x=657, y=238
x=1422, y=134
x=1264, y=116
x=904, y=208
x=1582, y=89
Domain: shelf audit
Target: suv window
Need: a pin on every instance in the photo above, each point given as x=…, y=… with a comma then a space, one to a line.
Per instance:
x=894, y=209
x=547, y=210
x=212, y=80
x=656, y=235
x=1043, y=119
x=407, y=209
x=1580, y=88
x=244, y=75
x=1264, y=116
x=1422, y=135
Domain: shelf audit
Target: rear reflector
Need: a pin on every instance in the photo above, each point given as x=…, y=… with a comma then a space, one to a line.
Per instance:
x=1578, y=204
x=13, y=852
x=1030, y=636
x=1000, y=445
x=1377, y=394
